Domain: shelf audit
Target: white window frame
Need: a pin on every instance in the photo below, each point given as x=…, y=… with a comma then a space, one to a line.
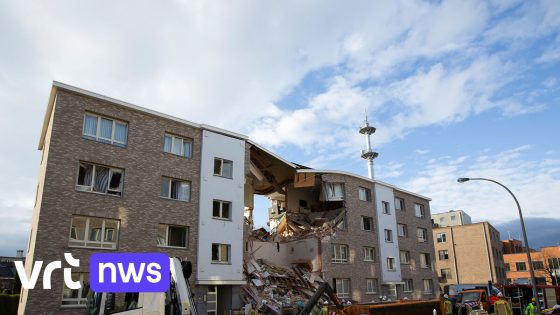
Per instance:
x=175, y=138
x=369, y=254
x=334, y=191
x=424, y=237
x=402, y=230
x=80, y=301
x=97, y=137
x=371, y=285
x=221, y=210
x=221, y=259
x=428, y=289
x=447, y=274
x=388, y=236
x=169, y=185
x=400, y=204
x=419, y=210
x=441, y=237
x=364, y=218
x=89, y=188
x=443, y=253
x=103, y=231
x=165, y=242
x=222, y=162
x=426, y=264
x=406, y=260
x=391, y=264
x=364, y=194
x=386, y=207
x=408, y=285
x=339, y=254
x=342, y=287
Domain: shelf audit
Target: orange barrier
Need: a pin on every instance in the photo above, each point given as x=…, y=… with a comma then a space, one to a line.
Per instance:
x=392, y=308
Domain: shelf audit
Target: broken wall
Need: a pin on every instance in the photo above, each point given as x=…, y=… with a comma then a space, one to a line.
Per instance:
x=295, y=252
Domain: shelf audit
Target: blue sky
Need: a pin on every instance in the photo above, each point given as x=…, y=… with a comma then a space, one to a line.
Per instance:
x=455, y=88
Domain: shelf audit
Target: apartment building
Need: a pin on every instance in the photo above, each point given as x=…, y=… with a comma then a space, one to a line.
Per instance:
x=116, y=177
x=451, y=218
x=513, y=246
x=469, y=254
x=546, y=264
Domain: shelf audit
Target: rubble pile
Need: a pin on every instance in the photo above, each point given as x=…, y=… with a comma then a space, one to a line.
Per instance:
x=280, y=287
x=300, y=226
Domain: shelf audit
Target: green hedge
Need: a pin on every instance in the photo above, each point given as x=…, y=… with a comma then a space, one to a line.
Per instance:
x=9, y=304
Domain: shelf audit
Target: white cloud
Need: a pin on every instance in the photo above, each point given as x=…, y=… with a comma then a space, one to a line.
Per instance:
x=421, y=152
x=535, y=182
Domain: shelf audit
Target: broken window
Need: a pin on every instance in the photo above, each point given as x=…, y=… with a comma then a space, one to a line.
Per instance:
x=342, y=288
x=223, y=168
x=334, y=191
x=425, y=260
x=402, y=230
x=371, y=286
x=446, y=273
x=364, y=194
x=220, y=253
x=221, y=209
x=105, y=129
x=340, y=253
x=389, y=236
x=391, y=264
x=175, y=189
x=399, y=204
x=73, y=297
x=367, y=223
x=177, y=145
x=93, y=232
x=172, y=236
x=441, y=238
x=443, y=254
x=386, y=207
x=422, y=234
x=342, y=225
x=99, y=179
x=369, y=254
x=405, y=257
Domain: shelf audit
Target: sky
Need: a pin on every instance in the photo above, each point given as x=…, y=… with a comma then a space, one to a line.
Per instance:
x=454, y=88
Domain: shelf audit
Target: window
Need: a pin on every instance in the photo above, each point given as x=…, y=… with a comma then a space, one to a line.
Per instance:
x=334, y=191
x=104, y=129
x=452, y=218
x=419, y=211
x=428, y=286
x=388, y=236
x=172, y=236
x=342, y=224
x=554, y=263
x=399, y=204
x=506, y=265
x=408, y=285
x=386, y=207
x=443, y=254
x=71, y=297
x=405, y=257
x=221, y=209
x=425, y=260
x=371, y=286
x=177, y=145
x=402, y=230
x=364, y=194
x=367, y=223
x=175, y=189
x=521, y=266
x=100, y=179
x=538, y=265
x=220, y=253
x=121, y=302
x=441, y=238
x=223, y=168
x=391, y=264
x=422, y=235
x=340, y=253
x=93, y=232
x=342, y=288
x=446, y=273
x=369, y=254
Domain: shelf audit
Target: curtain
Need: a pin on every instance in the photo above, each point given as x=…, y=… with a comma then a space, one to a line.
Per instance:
x=120, y=132
x=90, y=126
x=164, y=190
x=177, y=146
x=227, y=169
x=106, y=130
x=101, y=179
x=187, y=149
x=167, y=144
x=182, y=191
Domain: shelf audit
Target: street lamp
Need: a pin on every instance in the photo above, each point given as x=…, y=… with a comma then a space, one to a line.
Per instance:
x=535, y=295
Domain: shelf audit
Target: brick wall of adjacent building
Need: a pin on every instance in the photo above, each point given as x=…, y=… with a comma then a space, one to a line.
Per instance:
x=139, y=209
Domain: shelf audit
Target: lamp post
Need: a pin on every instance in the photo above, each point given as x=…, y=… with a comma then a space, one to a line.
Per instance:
x=535, y=295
